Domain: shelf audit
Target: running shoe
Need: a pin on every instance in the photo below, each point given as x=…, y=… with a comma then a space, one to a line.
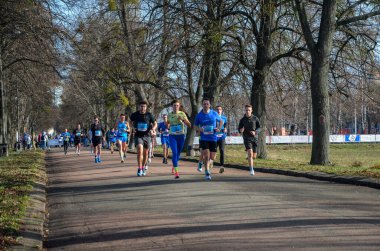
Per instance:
x=221, y=170
x=96, y=159
x=149, y=160
x=144, y=172
x=199, y=166
x=139, y=172
x=251, y=171
x=99, y=160
x=122, y=160
x=163, y=160
x=166, y=161
x=208, y=177
x=176, y=175
x=146, y=167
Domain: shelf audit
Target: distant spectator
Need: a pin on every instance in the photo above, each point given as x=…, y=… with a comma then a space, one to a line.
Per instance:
x=274, y=131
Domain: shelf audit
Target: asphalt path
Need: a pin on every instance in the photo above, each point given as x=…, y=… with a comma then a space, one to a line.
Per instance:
x=105, y=206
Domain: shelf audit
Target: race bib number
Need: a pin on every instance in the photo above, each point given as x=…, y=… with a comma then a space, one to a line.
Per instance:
x=176, y=129
x=165, y=134
x=98, y=133
x=219, y=134
x=208, y=130
x=78, y=134
x=142, y=127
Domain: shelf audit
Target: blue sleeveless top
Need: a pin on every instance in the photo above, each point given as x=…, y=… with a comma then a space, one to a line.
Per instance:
x=121, y=128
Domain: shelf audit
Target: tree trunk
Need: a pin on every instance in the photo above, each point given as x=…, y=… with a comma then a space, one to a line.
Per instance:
x=130, y=43
x=189, y=141
x=194, y=93
x=321, y=112
x=320, y=53
x=3, y=115
x=261, y=71
x=258, y=98
x=212, y=53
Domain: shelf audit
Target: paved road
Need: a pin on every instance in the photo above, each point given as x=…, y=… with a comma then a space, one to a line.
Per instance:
x=106, y=207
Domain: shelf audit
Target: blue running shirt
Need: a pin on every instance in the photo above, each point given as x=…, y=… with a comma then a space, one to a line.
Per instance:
x=209, y=123
x=121, y=128
x=221, y=135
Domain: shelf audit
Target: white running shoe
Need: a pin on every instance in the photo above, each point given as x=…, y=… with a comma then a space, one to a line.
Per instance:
x=251, y=171
x=149, y=160
x=146, y=167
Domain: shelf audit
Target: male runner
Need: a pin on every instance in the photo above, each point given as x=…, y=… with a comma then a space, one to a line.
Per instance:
x=208, y=123
x=164, y=132
x=66, y=140
x=145, y=126
x=249, y=127
x=78, y=133
x=97, y=137
x=221, y=137
x=122, y=136
x=112, y=139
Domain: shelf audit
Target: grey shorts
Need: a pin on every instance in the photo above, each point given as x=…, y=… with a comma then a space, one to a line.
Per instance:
x=144, y=140
x=250, y=143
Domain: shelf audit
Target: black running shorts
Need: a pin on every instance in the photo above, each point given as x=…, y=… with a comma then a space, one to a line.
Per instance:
x=250, y=143
x=211, y=145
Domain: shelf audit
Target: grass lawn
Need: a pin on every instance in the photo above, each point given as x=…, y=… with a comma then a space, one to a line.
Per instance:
x=347, y=159
x=18, y=172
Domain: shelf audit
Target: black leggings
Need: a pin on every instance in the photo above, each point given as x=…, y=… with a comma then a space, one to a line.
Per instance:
x=65, y=145
x=221, y=144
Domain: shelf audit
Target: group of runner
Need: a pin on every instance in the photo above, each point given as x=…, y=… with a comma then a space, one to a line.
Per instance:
x=210, y=124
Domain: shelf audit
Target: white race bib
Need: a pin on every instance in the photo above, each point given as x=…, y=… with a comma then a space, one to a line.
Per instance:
x=208, y=129
x=176, y=129
x=142, y=127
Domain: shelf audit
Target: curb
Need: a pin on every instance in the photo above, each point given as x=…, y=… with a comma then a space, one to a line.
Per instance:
x=351, y=180
x=31, y=234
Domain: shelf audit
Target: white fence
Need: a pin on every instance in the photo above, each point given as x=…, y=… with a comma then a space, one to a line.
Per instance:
x=302, y=139
x=295, y=139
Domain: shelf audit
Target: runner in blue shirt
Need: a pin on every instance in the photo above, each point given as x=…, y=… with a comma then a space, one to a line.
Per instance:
x=208, y=123
x=122, y=136
x=164, y=132
x=66, y=140
x=221, y=137
x=112, y=139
